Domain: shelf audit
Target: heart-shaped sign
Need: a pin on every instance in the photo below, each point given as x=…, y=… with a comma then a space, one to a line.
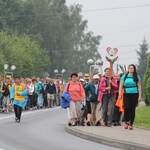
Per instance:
x=111, y=51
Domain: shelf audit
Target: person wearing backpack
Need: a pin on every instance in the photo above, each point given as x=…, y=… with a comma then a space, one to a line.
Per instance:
x=131, y=82
x=77, y=94
x=6, y=94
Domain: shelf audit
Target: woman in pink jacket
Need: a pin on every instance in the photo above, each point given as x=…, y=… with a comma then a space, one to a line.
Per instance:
x=77, y=94
x=107, y=96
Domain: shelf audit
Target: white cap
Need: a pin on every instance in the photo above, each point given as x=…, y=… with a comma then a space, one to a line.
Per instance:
x=82, y=79
x=95, y=76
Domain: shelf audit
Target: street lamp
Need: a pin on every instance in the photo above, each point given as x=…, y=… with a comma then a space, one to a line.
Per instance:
x=59, y=74
x=10, y=73
x=98, y=63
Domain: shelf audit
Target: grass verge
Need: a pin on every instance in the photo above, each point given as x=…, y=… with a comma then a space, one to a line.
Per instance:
x=142, y=118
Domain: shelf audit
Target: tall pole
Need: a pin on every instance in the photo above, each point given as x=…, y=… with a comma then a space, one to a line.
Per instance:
x=111, y=52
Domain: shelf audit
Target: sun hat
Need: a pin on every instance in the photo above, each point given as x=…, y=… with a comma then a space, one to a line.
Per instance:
x=86, y=76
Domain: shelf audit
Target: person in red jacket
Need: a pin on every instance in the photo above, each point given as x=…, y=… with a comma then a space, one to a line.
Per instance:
x=107, y=96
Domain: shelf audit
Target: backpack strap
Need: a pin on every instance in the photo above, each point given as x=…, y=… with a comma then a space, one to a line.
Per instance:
x=125, y=77
x=68, y=86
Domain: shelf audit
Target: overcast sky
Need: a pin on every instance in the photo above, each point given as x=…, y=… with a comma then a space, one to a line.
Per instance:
x=123, y=28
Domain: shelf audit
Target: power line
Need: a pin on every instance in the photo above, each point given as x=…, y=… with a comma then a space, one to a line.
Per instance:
x=121, y=46
x=109, y=34
x=71, y=50
x=116, y=8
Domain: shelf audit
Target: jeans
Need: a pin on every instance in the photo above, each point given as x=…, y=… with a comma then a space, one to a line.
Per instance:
x=108, y=103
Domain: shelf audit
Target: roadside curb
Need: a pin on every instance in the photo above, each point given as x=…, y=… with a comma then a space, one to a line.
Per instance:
x=106, y=141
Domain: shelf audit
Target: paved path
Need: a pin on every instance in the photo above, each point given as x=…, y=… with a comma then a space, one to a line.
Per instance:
x=115, y=136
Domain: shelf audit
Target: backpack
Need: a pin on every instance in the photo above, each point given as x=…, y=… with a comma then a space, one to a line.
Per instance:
x=42, y=89
x=126, y=76
x=6, y=90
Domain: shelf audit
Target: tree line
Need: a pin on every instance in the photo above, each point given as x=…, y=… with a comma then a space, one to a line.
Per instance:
x=39, y=36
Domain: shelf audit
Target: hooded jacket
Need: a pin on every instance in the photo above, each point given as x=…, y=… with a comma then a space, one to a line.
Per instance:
x=65, y=100
x=102, y=87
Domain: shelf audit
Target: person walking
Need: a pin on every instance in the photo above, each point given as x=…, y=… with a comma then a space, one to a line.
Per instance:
x=92, y=90
x=131, y=82
x=88, y=104
x=107, y=88
x=57, y=84
x=37, y=89
x=118, y=115
x=18, y=93
x=40, y=96
x=31, y=89
x=6, y=95
x=51, y=92
x=77, y=94
x=1, y=92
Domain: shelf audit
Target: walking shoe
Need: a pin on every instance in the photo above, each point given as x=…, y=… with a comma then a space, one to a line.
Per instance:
x=74, y=123
x=82, y=124
x=102, y=123
x=69, y=123
x=88, y=123
x=18, y=120
x=126, y=126
x=98, y=123
x=78, y=122
x=109, y=125
x=130, y=127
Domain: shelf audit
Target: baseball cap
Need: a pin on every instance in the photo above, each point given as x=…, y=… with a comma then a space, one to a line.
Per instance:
x=82, y=79
x=96, y=76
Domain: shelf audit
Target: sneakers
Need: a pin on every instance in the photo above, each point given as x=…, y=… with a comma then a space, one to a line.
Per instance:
x=98, y=123
x=126, y=126
x=130, y=127
x=109, y=125
x=74, y=123
x=88, y=123
x=17, y=120
x=69, y=123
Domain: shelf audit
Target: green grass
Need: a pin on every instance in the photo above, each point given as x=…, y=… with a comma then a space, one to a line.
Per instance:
x=142, y=118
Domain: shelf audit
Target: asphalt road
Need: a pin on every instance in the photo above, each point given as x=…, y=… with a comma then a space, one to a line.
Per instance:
x=41, y=130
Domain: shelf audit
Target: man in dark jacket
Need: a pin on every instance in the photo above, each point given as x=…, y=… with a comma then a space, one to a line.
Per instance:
x=51, y=92
x=92, y=89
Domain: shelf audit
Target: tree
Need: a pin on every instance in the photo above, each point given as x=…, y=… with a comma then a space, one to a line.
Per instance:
x=142, y=60
x=24, y=53
x=146, y=82
x=65, y=39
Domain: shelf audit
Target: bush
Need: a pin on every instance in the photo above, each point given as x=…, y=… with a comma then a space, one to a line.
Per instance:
x=146, y=84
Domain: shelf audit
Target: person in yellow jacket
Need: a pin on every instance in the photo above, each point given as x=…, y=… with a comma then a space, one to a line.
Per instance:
x=18, y=93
